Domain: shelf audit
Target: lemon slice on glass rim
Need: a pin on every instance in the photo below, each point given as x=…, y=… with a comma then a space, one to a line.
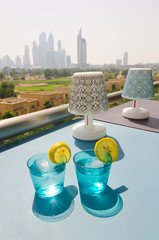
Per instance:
x=59, y=153
x=106, y=150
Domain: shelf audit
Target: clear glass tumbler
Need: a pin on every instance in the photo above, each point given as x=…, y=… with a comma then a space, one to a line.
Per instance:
x=92, y=175
x=48, y=178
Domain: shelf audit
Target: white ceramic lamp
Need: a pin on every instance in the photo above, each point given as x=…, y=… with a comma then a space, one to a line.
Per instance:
x=138, y=85
x=88, y=97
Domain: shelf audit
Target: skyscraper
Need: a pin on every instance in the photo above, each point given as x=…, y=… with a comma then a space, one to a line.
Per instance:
x=42, y=50
x=118, y=62
x=26, y=58
x=50, y=55
x=125, y=59
x=68, y=61
x=18, y=62
x=50, y=43
x=81, y=50
x=35, y=54
x=60, y=56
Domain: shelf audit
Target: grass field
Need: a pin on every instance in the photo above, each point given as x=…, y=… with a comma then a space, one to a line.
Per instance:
x=156, y=97
x=54, y=82
x=50, y=87
x=36, y=88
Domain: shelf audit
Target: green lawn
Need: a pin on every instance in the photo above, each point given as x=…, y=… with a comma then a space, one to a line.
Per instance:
x=156, y=98
x=36, y=88
x=50, y=87
x=156, y=94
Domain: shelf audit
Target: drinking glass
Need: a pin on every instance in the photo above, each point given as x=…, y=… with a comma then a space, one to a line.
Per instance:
x=92, y=174
x=47, y=177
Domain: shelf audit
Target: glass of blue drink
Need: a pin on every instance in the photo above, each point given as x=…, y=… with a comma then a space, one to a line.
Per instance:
x=92, y=174
x=47, y=177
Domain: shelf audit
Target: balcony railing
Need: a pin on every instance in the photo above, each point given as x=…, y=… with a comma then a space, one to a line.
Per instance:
x=21, y=124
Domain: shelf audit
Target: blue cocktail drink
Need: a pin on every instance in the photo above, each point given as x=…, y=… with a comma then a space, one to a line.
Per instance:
x=48, y=178
x=92, y=175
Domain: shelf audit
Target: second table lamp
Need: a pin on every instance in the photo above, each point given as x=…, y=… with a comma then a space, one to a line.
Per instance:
x=138, y=85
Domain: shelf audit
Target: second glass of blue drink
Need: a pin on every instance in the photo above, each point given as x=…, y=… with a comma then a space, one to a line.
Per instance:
x=92, y=174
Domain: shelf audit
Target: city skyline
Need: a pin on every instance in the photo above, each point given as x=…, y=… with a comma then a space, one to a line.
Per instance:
x=44, y=55
x=110, y=28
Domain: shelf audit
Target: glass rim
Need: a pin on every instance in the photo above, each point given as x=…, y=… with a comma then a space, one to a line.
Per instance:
x=91, y=150
x=47, y=170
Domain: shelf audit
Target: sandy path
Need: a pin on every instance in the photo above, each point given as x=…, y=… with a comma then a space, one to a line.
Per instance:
x=32, y=85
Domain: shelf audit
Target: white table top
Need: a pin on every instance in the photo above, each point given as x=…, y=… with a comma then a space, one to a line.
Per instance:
x=135, y=177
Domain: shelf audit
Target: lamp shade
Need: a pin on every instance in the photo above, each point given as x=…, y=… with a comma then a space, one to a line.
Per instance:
x=139, y=84
x=88, y=97
x=88, y=94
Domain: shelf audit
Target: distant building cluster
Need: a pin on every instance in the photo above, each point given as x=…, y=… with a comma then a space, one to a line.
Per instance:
x=119, y=62
x=28, y=102
x=45, y=56
x=43, y=53
x=6, y=61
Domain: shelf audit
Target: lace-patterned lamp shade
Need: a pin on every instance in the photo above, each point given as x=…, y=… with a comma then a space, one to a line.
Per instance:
x=138, y=85
x=88, y=97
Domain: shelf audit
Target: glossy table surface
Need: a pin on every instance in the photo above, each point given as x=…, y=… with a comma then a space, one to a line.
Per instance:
x=128, y=209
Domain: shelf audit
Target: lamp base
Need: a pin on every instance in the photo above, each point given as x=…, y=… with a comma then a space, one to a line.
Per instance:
x=133, y=113
x=88, y=133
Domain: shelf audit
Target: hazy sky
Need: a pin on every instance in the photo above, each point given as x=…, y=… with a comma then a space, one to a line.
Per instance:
x=110, y=27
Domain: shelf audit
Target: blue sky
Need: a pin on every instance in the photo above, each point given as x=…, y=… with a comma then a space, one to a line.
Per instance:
x=110, y=27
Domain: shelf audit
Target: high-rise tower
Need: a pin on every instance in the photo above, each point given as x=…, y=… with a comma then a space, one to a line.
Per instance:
x=42, y=49
x=50, y=43
x=125, y=59
x=81, y=50
x=18, y=62
x=26, y=58
x=35, y=54
x=50, y=55
x=60, y=56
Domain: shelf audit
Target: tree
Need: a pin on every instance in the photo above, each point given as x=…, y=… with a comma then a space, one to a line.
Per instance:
x=48, y=73
x=7, y=114
x=47, y=104
x=2, y=76
x=109, y=76
x=115, y=70
x=14, y=74
x=124, y=72
x=56, y=73
x=113, y=87
x=22, y=77
x=7, y=90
